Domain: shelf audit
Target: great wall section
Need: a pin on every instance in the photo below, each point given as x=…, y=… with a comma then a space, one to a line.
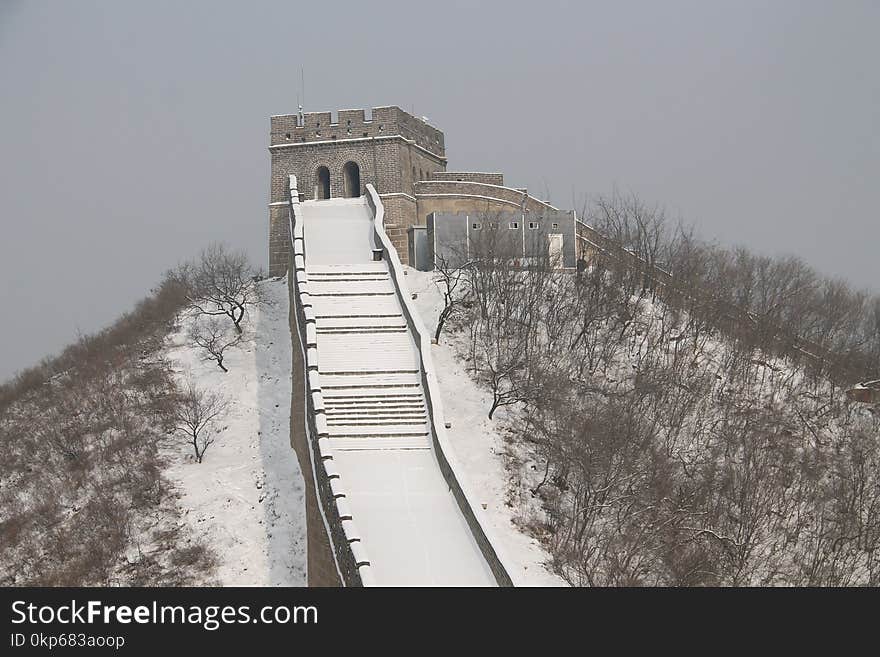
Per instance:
x=385, y=502
x=385, y=491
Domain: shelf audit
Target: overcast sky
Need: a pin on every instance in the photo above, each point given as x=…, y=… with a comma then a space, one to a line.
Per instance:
x=133, y=134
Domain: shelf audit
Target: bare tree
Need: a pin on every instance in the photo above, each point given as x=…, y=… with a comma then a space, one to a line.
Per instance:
x=222, y=283
x=450, y=278
x=195, y=416
x=211, y=335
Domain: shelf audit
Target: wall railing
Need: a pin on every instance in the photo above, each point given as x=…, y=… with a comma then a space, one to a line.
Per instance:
x=352, y=561
x=464, y=495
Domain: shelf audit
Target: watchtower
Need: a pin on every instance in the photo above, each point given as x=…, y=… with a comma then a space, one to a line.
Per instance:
x=392, y=150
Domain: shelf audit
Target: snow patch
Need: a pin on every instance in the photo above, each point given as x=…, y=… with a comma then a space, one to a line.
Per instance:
x=246, y=499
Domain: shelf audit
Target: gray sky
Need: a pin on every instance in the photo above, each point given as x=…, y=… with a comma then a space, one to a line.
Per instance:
x=133, y=134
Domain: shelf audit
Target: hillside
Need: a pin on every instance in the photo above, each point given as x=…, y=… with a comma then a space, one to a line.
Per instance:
x=615, y=437
x=483, y=449
x=245, y=499
x=645, y=447
x=98, y=488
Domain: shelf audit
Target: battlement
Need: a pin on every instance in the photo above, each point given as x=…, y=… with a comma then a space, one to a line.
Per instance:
x=388, y=121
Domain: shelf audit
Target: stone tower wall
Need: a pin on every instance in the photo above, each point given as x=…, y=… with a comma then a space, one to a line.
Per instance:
x=401, y=155
x=393, y=151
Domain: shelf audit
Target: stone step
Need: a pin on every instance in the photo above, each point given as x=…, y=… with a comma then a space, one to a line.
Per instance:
x=366, y=353
x=375, y=422
x=372, y=392
x=356, y=431
x=375, y=409
x=356, y=307
x=371, y=330
x=357, y=268
x=374, y=395
x=374, y=406
x=379, y=443
x=361, y=323
x=345, y=294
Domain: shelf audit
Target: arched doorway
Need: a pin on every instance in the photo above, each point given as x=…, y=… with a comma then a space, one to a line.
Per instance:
x=352, y=177
x=322, y=183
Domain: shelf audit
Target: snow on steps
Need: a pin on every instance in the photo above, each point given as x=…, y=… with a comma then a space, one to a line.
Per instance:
x=364, y=380
x=369, y=359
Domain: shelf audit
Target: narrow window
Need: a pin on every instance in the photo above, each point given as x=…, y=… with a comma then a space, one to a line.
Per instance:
x=351, y=179
x=555, y=225
x=322, y=183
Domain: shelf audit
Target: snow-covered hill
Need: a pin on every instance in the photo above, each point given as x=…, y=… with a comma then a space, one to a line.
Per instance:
x=481, y=449
x=245, y=500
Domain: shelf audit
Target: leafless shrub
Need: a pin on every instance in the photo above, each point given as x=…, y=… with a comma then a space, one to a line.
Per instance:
x=222, y=283
x=209, y=335
x=195, y=417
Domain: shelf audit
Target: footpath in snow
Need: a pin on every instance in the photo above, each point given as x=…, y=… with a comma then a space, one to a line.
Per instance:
x=246, y=499
x=478, y=446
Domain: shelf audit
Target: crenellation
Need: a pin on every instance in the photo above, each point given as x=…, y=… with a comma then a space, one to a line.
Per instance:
x=352, y=124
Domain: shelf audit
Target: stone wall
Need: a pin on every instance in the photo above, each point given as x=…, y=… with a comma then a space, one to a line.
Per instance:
x=321, y=563
x=400, y=155
x=469, y=176
x=464, y=496
x=454, y=238
x=352, y=124
x=279, y=239
x=393, y=151
x=336, y=534
x=400, y=214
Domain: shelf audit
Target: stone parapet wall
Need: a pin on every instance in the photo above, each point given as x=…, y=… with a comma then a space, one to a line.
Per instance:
x=468, y=176
x=464, y=496
x=338, y=525
x=279, y=239
x=400, y=214
x=353, y=124
x=479, y=190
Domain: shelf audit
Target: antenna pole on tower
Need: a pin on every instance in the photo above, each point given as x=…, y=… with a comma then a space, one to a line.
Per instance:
x=302, y=89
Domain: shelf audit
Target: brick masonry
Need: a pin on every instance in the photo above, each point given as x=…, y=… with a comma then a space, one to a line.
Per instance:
x=401, y=155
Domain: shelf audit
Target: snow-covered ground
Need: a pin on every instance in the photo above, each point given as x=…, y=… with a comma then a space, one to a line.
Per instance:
x=480, y=448
x=245, y=500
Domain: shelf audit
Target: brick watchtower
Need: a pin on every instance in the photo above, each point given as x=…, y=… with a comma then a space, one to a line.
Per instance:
x=392, y=150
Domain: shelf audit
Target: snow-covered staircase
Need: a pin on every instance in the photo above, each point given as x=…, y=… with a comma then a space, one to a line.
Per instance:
x=396, y=509
x=373, y=397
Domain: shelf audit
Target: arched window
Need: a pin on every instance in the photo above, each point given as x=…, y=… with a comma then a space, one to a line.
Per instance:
x=352, y=176
x=322, y=183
